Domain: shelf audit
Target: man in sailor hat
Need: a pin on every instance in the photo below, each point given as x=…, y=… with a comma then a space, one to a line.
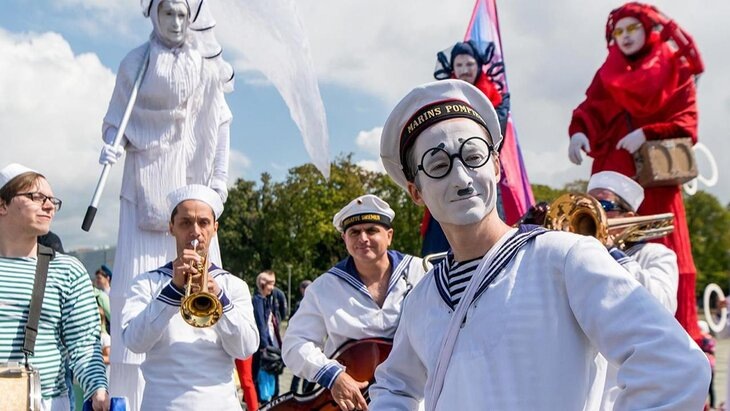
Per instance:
x=360, y=297
x=187, y=367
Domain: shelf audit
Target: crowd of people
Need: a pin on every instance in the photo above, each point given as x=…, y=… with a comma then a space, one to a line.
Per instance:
x=489, y=326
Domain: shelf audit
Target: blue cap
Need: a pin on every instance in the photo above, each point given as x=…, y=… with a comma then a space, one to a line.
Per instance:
x=106, y=271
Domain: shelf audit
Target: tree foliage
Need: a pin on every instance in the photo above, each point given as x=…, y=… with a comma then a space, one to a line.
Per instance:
x=287, y=226
x=709, y=229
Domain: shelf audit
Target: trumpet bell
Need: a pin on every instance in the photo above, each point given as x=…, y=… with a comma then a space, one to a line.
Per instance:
x=580, y=214
x=201, y=309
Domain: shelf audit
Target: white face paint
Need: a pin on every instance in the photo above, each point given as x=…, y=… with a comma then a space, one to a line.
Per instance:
x=173, y=22
x=465, y=196
x=629, y=35
x=465, y=68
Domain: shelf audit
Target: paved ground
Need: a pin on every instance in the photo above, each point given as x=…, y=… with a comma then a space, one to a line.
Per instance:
x=721, y=369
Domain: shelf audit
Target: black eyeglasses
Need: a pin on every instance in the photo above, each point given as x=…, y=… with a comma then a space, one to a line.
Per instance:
x=609, y=206
x=437, y=163
x=41, y=198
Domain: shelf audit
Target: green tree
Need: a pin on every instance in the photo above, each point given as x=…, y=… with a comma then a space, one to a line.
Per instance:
x=239, y=231
x=709, y=227
x=407, y=222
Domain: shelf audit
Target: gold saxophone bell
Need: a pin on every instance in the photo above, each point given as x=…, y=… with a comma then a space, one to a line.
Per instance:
x=583, y=214
x=200, y=309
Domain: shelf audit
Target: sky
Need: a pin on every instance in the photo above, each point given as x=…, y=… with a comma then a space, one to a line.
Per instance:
x=59, y=60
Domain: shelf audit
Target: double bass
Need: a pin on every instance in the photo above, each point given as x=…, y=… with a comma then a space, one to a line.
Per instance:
x=360, y=357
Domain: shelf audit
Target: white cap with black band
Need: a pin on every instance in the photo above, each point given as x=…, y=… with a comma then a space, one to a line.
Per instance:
x=425, y=106
x=364, y=209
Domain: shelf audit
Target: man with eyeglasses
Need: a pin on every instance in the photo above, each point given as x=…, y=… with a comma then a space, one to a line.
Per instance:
x=513, y=317
x=360, y=297
x=69, y=321
x=653, y=264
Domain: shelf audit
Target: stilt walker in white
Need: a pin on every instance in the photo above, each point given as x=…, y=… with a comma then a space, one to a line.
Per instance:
x=177, y=134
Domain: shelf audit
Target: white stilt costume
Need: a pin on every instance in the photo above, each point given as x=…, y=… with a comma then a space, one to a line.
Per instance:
x=178, y=134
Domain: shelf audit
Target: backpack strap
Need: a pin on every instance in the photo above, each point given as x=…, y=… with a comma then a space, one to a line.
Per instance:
x=45, y=255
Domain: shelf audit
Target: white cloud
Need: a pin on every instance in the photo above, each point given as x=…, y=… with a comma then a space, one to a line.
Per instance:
x=105, y=17
x=238, y=166
x=369, y=141
x=372, y=165
x=55, y=97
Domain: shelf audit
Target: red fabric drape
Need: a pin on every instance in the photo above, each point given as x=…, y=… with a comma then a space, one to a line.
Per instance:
x=655, y=92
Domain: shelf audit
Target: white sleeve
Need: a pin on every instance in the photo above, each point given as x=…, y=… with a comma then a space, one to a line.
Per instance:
x=654, y=355
x=145, y=316
x=236, y=327
x=303, y=342
x=399, y=381
x=222, y=153
x=657, y=271
x=109, y=133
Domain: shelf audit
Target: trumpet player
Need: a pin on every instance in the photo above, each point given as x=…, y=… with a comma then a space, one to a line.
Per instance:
x=653, y=265
x=189, y=361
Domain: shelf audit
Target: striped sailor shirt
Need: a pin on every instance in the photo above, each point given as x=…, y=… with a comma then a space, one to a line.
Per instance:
x=68, y=325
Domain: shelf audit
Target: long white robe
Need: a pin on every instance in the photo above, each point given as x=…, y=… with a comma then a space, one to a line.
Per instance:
x=655, y=267
x=188, y=368
x=338, y=308
x=178, y=134
x=529, y=341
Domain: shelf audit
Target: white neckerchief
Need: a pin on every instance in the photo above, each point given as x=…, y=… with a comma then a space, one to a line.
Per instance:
x=452, y=332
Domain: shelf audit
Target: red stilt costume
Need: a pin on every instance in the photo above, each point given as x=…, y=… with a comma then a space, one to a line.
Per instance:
x=653, y=89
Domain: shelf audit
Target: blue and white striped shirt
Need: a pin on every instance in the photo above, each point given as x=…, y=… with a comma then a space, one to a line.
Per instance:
x=68, y=325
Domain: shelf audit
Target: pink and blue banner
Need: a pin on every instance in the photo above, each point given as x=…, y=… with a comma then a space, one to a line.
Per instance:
x=515, y=186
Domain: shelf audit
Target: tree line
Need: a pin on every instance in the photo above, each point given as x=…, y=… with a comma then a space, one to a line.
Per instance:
x=287, y=226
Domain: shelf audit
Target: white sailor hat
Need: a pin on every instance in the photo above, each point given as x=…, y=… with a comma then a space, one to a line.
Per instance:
x=629, y=190
x=196, y=192
x=364, y=209
x=11, y=171
x=425, y=106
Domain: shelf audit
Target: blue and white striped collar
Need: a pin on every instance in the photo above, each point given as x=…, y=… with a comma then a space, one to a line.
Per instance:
x=504, y=255
x=347, y=271
x=214, y=270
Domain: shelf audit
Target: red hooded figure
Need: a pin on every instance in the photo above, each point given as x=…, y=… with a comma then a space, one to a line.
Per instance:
x=645, y=90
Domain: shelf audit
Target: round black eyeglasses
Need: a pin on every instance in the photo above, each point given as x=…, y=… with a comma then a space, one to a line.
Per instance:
x=437, y=163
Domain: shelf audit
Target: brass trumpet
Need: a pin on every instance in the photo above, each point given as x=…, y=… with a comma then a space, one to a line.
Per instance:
x=200, y=309
x=583, y=214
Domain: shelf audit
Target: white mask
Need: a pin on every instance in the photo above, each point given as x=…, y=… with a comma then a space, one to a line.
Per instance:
x=465, y=195
x=172, y=22
x=629, y=35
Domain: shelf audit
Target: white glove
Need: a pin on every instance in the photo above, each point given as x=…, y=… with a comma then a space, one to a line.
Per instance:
x=632, y=141
x=110, y=155
x=220, y=187
x=578, y=142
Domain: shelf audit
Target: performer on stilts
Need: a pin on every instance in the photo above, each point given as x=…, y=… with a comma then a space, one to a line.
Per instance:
x=645, y=90
x=177, y=134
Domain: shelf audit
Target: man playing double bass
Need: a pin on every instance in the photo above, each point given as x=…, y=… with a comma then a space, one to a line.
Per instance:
x=360, y=297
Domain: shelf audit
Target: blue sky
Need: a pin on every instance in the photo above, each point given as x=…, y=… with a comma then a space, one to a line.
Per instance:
x=60, y=58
